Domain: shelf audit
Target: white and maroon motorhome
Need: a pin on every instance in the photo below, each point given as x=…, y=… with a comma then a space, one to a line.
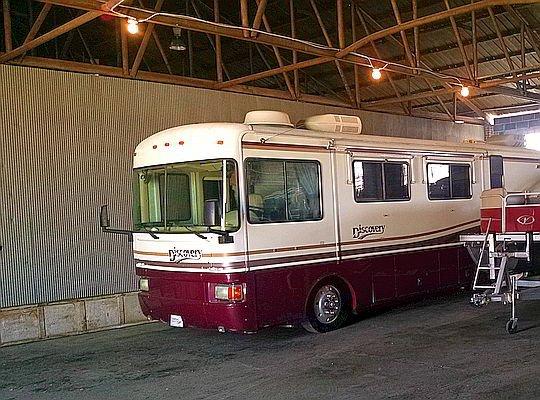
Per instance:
x=243, y=226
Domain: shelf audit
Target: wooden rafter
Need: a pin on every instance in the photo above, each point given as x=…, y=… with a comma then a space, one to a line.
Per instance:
x=457, y=35
x=38, y=22
x=277, y=53
x=144, y=42
x=161, y=50
x=428, y=19
x=330, y=44
x=60, y=30
x=258, y=16
x=296, y=76
x=404, y=40
x=244, y=10
x=125, y=50
x=378, y=54
x=502, y=43
x=209, y=37
x=219, y=61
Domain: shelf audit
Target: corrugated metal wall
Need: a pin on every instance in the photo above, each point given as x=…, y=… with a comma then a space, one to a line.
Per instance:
x=66, y=142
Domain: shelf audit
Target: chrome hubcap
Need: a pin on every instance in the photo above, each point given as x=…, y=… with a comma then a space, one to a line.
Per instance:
x=327, y=304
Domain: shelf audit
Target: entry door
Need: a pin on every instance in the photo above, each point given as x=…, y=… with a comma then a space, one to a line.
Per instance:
x=291, y=227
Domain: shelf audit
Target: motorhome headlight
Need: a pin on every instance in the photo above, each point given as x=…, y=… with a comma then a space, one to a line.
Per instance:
x=144, y=284
x=229, y=292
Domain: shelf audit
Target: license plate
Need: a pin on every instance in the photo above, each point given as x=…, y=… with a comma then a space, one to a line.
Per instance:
x=177, y=321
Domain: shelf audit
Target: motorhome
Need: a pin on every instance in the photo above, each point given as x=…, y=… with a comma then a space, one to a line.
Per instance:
x=243, y=226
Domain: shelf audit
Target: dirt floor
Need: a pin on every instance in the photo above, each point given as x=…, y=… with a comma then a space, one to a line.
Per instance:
x=436, y=349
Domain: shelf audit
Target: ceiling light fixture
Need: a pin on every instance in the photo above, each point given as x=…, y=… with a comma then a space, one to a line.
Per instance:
x=464, y=91
x=376, y=73
x=133, y=26
x=177, y=44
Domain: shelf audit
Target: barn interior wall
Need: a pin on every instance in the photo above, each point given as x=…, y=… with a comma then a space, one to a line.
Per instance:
x=66, y=144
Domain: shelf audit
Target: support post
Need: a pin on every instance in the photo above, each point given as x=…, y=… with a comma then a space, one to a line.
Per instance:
x=7, y=26
x=125, y=49
x=356, y=68
x=294, y=53
x=244, y=16
x=340, y=23
x=474, y=45
x=219, y=67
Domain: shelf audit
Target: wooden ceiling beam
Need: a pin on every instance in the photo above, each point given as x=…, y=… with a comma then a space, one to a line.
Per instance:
x=236, y=33
x=60, y=30
x=482, y=4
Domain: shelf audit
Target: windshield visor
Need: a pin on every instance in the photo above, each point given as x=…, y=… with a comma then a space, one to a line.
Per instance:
x=186, y=197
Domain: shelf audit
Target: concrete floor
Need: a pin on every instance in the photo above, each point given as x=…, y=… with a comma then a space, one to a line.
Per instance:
x=437, y=349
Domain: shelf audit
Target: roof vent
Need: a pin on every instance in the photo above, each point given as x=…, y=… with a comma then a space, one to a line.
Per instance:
x=273, y=118
x=334, y=123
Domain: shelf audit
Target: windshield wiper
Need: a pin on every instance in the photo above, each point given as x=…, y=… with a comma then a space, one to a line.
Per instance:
x=195, y=232
x=154, y=236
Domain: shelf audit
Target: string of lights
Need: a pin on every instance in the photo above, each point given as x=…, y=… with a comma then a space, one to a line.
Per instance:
x=376, y=72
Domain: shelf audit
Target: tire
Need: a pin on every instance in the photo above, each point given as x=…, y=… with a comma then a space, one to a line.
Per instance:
x=512, y=326
x=328, y=307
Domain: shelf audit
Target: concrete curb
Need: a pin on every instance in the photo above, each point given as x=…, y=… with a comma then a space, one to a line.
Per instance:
x=72, y=317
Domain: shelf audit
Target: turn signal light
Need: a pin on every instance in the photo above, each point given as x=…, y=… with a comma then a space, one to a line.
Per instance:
x=232, y=292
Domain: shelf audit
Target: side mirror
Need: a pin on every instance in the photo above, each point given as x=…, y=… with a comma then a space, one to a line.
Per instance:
x=104, y=217
x=212, y=212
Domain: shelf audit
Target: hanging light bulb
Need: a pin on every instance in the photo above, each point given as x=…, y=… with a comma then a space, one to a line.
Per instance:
x=464, y=91
x=376, y=73
x=132, y=26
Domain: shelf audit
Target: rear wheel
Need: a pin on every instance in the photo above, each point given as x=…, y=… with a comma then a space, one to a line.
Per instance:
x=328, y=307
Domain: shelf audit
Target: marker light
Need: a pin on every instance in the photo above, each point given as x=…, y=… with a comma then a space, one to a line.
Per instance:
x=133, y=26
x=231, y=292
x=464, y=91
x=144, y=284
x=376, y=73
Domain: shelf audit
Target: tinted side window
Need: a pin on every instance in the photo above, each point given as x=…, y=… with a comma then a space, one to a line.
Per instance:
x=448, y=181
x=461, y=185
x=283, y=191
x=368, y=181
x=396, y=181
x=496, y=171
x=380, y=181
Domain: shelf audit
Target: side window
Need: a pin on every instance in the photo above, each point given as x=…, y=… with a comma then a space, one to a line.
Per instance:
x=380, y=181
x=283, y=190
x=496, y=171
x=448, y=181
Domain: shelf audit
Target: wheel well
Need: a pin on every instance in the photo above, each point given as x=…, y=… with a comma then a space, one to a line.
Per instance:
x=339, y=281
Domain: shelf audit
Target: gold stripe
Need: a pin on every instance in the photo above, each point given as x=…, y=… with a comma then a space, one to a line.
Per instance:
x=315, y=246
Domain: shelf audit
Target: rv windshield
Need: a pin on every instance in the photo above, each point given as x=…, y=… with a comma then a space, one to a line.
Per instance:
x=176, y=197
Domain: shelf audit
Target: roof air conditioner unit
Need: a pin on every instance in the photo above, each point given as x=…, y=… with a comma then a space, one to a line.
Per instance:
x=272, y=118
x=333, y=123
